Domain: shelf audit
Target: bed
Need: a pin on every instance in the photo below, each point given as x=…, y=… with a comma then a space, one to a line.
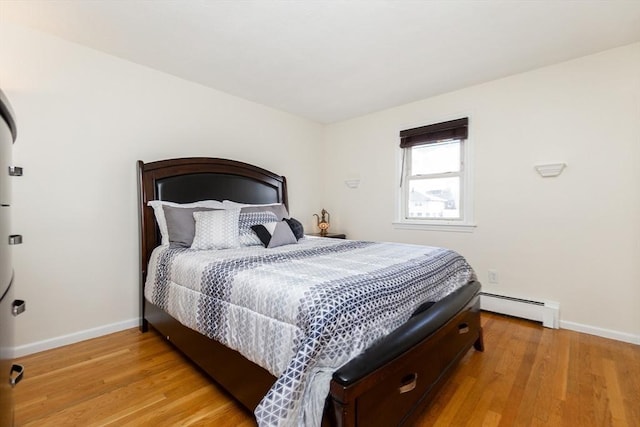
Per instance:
x=387, y=382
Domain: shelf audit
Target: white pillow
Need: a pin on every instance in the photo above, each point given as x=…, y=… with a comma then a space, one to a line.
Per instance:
x=216, y=229
x=162, y=222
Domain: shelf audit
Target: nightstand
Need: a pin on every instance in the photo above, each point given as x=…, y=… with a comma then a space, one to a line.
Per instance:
x=330, y=235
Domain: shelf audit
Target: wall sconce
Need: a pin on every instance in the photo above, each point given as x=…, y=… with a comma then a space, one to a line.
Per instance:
x=323, y=222
x=352, y=183
x=550, y=170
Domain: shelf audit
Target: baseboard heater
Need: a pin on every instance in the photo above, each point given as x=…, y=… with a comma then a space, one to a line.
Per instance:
x=546, y=312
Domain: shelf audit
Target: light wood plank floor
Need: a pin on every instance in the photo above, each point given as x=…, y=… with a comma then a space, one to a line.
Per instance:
x=527, y=376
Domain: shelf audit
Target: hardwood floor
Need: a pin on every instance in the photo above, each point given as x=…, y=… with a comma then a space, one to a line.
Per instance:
x=527, y=376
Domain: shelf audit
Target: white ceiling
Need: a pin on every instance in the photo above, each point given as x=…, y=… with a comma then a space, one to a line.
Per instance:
x=330, y=60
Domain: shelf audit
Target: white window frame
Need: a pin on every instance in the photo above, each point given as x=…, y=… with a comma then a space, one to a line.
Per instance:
x=463, y=224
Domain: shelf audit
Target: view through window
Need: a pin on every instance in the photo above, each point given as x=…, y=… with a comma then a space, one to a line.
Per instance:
x=434, y=181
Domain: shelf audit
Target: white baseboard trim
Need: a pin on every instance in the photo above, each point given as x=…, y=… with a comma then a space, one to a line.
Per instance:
x=601, y=332
x=75, y=337
x=547, y=312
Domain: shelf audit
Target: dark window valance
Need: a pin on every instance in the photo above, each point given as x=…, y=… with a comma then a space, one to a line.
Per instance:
x=453, y=129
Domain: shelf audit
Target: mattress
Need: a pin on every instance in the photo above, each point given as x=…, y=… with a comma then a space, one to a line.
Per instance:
x=301, y=311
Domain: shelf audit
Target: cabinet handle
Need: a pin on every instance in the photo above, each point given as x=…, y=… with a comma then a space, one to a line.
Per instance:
x=18, y=307
x=15, y=239
x=463, y=328
x=15, y=171
x=408, y=383
x=19, y=371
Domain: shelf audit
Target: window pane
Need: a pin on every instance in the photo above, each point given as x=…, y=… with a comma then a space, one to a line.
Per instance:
x=435, y=158
x=434, y=198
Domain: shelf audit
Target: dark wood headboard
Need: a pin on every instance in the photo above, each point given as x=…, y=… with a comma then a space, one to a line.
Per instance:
x=193, y=179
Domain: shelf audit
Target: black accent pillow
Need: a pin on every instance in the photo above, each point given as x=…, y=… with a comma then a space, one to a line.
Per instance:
x=296, y=227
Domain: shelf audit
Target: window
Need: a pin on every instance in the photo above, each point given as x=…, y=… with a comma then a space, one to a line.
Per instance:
x=435, y=188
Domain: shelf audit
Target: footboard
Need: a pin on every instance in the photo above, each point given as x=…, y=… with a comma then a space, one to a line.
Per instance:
x=390, y=383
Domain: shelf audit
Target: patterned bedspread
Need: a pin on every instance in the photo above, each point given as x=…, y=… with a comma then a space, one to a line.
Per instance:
x=301, y=311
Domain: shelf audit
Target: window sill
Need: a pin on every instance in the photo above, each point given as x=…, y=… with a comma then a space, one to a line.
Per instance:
x=431, y=226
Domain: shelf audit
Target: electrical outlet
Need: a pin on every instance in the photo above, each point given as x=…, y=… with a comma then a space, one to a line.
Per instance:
x=493, y=276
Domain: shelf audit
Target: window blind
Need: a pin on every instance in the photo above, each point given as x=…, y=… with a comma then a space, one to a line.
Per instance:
x=453, y=129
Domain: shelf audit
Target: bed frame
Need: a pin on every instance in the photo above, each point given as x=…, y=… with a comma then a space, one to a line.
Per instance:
x=389, y=384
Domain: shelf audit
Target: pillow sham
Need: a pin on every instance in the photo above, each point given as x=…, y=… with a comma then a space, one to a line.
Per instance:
x=278, y=208
x=246, y=220
x=181, y=225
x=216, y=229
x=159, y=213
x=296, y=227
x=274, y=234
x=232, y=204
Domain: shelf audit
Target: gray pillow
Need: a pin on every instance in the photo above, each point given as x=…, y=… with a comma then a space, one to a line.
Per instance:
x=181, y=225
x=274, y=234
x=279, y=210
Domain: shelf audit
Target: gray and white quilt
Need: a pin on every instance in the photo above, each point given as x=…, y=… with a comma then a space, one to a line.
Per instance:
x=301, y=311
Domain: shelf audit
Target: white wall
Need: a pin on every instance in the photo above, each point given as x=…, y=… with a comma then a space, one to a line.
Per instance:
x=84, y=118
x=574, y=239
